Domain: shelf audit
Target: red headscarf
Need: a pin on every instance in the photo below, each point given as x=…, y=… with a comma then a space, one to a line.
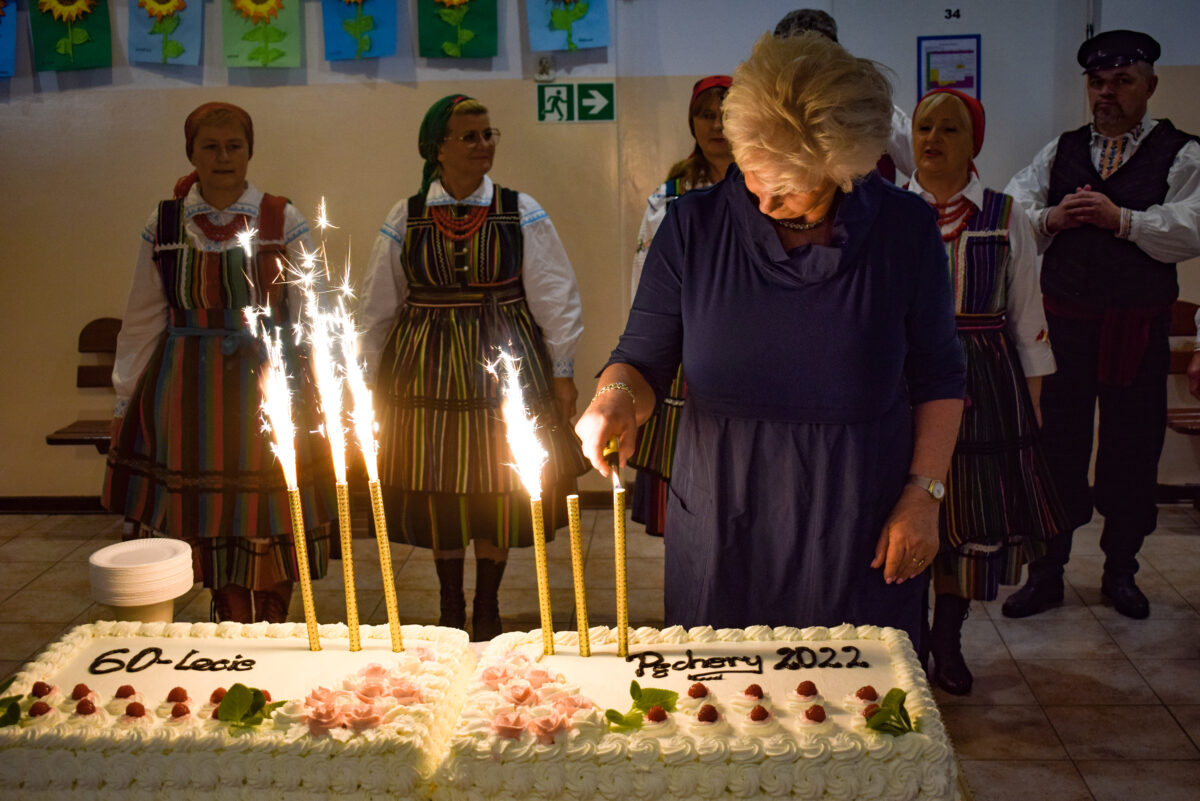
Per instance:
x=700, y=87
x=974, y=111
x=192, y=124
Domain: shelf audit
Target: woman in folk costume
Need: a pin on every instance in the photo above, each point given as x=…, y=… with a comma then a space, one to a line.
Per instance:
x=460, y=271
x=704, y=166
x=1001, y=506
x=189, y=458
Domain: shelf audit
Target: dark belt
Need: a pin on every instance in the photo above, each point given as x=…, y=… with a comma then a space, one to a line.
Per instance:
x=469, y=295
x=980, y=322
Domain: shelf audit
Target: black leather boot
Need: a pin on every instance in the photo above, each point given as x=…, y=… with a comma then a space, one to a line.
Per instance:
x=950, y=671
x=454, y=605
x=1042, y=591
x=485, y=619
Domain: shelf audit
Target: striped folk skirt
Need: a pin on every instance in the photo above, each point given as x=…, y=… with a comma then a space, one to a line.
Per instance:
x=654, y=458
x=445, y=462
x=191, y=461
x=1001, y=505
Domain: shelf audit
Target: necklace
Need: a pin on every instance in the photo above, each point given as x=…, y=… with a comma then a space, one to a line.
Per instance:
x=220, y=233
x=793, y=225
x=458, y=229
x=948, y=213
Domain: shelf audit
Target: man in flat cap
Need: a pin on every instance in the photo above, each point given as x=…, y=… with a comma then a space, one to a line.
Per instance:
x=1114, y=204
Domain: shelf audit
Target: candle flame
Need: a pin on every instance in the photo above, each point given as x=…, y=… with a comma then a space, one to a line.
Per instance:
x=528, y=454
x=277, y=400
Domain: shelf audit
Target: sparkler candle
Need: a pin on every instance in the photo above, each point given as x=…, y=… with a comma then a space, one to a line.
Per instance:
x=612, y=454
x=585, y=645
x=528, y=459
x=329, y=385
x=277, y=410
x=363, y=418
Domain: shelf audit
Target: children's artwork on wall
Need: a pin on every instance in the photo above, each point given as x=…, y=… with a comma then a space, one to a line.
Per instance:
x=166, y=31
x=567, y=24
x=262, y=33
x=70, y=34
x=8, y=38
x=457, y=28
x=359, y=28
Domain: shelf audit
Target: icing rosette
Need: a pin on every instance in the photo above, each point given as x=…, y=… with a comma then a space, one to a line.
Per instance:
x=741, y=703
x=759, y=722
x=493, y=676
x=519, y=692
x=510, y=724
x=569, y=705
x=42, y=691
x=404, y=692
x=659, y=728
x=323, y=718
x=692, y=700
x=814, y=719
x=545, y=728
x=361, y=717
x=116, y=706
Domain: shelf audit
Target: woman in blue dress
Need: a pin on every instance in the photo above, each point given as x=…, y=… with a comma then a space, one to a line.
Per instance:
x=807, y=301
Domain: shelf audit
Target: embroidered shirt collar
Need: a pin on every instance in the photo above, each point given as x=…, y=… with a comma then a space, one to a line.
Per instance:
x=194, y=203
x=438, y=196
x=1133, y=135
x=973, y=191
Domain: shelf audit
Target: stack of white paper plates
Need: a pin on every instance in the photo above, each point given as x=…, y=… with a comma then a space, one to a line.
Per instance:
x=141, y=572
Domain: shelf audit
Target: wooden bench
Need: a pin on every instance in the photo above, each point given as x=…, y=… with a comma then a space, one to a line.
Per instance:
x=1183, y=419
x=98, y=337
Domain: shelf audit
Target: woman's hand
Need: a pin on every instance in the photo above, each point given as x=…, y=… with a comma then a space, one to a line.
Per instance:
x=610, y=414
x=565, y=396
x=909, y=541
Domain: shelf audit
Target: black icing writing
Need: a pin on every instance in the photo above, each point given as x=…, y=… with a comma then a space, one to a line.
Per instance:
x=803, y=658
x=111, y=662
x=201, y=663
x=716, y=667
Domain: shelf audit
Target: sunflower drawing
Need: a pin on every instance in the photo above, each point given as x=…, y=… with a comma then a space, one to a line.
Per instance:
x=359, y=27
x=262, y=11
x=163, y=12
x=69, y=11
x=2, y=5
x=562, y=19
x=452, y=14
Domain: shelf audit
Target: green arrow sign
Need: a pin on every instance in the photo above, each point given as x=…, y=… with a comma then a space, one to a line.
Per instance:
x=595, y=102
x=576, y=102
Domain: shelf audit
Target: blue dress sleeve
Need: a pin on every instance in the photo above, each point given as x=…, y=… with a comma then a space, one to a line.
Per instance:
x=653, y=339
x=934, y=367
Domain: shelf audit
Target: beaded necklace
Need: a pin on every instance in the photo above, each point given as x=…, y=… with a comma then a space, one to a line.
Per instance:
x=220, y=233
x=458, y=229
x=961, y=209
x=793, y=225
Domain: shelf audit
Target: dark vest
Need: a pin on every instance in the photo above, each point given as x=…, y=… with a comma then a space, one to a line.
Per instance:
x=1090, y=266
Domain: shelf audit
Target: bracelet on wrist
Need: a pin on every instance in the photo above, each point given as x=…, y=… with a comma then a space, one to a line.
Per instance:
x=621, y=385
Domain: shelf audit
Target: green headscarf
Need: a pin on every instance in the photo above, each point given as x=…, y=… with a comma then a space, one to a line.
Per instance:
x=433, y=130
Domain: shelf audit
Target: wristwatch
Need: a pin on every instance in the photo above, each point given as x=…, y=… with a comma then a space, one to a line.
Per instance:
x=935, y=488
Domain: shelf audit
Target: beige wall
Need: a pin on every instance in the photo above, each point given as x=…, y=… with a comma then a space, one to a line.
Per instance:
x=81, y=170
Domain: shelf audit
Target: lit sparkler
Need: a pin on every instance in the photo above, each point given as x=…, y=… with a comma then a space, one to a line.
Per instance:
x=528, y=459
x=277, y=413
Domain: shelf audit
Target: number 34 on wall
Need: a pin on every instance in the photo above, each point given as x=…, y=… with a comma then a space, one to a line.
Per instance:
x=953, y=13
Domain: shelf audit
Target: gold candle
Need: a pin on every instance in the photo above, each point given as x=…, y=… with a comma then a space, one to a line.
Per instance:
x=310, y=612
x=385, y=565
x=581, y=617
x=622, y=578
x=543, y=578
x=343, y=502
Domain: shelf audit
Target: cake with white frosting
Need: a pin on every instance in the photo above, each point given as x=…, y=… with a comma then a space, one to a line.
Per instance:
x=150, y=710
x=759, y=712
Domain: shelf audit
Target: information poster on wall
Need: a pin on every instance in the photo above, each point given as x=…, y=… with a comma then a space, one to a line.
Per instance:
x=457, y=29
x=358, y=28
x=567, y=24
x=166, y=31
x=8, y=38
x=70, y=34
x=261, y=33
x=948, y=62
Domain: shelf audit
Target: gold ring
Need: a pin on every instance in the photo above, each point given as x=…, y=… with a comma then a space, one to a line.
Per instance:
x=918, y=562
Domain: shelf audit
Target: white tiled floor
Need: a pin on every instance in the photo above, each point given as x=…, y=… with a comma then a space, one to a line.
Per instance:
x=1076, y=704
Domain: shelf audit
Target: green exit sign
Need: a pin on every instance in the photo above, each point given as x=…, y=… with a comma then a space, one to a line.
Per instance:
x=576, y=102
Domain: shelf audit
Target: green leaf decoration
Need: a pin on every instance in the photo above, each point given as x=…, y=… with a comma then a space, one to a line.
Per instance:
x=62, y=47
x=465, y=36
x=7, y=683
x=892, y=718
x=165, y=26
x=172, y=49
x=644, y=699
x=559, y=20
x=273, y=34
x=364, y=43
x=451, y=49
x=453, y=16
x=245, y=707
x=10, y=705
x=624, y=723
x=255, y=34
x=79, y=36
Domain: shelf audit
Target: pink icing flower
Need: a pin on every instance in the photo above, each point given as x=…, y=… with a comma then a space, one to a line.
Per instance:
x=570, y=704
x=510, y=724
x=325, y=718
x=546, y=727
x=537, y=677
x=404, y=691
x=371, y=688
x=426, y=653
x=374, y=671
x=495, y=675
x=519, y=692
x=321, y=695
x=361, y=717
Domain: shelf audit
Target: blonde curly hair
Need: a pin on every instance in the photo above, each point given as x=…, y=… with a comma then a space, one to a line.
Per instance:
x=803, y=112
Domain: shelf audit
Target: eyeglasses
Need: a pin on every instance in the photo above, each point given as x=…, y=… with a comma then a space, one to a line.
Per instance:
x=474, y=139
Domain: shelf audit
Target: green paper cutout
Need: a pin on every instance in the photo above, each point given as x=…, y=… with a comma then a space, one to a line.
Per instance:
x=561, y=19
x=165, y=27
x=457, y=28
x=261, y=33
x=358, y=28
x=78, y=38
